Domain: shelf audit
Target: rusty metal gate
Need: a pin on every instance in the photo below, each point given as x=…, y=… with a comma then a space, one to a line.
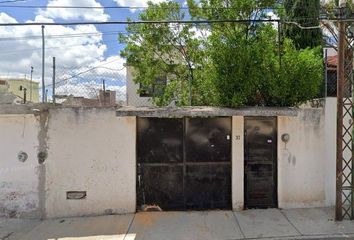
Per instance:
x=184, y=163
x=260, y=162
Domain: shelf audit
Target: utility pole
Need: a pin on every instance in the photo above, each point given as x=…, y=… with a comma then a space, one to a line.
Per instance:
x=24, y=95
x=31, y=84
x=53, y=85
x=43, y=64
x=190, y=78
x=340, y=105
x=279, y=42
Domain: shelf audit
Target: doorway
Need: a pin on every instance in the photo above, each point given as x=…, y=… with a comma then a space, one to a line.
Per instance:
x=260, y=162
x=184, y=163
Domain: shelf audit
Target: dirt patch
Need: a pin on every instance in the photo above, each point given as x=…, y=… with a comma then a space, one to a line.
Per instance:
x=148, y=219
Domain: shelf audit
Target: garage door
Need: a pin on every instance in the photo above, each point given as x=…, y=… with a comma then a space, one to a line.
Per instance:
x=184, y=163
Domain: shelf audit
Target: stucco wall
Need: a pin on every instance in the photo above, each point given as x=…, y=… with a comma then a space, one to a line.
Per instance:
x=237, y=163
x=19, y=181
x=301, y=162
x=330, y=150
x=133, y=98
x=92, y=151
x=15, y=89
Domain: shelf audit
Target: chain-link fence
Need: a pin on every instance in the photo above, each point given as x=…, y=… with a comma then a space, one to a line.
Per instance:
x=84, y=85
x=331, y=74
x=114, y=85
x=98, y=85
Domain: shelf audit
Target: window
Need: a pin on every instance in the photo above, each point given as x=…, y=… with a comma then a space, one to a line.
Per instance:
x=156, y=89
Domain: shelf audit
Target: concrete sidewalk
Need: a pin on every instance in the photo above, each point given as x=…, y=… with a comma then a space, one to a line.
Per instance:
x=314, y=223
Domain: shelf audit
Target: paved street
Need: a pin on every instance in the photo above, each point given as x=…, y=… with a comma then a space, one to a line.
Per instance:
x=314, y=223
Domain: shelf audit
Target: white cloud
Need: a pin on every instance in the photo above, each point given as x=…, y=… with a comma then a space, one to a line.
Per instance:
x=74, y=54
x=271, y=16
x=113, y=63
x=75, y=51
x=136, y=3
x=4, y=18
x=17, y=56
x=200, y=33
x=90, y=90
x=94, y=14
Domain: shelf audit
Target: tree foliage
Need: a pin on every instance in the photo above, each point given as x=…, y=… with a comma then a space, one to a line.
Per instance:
x=232, y=64
x=305, y=13
x=167, y=50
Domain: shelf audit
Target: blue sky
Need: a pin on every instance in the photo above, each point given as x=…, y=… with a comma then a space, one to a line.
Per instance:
x=22, y=15
x=20, y=47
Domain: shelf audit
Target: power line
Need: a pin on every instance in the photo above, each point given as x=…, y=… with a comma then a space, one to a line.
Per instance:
x=12, y=1
x=63, y=35
x=122, y=7
x=37, y=49
x=138, y=22
x=303, y=27
x=88, y=70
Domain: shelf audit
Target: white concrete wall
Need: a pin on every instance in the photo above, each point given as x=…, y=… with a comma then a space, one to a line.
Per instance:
x=301, y=162
x=133, y=98
x=19, y=181
x=237, y=163
x=330, y=150
x=93, y=151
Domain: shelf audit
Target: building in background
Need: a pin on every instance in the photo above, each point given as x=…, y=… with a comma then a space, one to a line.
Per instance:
x=134, y=98
x=141, y=96
x=105, y=98
x=4, y=86
x=18, y=87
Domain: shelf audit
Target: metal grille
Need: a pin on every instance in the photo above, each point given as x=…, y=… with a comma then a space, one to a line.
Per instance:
x=184, y=163
x=345, y=208
x=331, y=83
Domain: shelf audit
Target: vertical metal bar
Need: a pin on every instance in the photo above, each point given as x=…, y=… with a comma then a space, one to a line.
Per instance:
x=53, y=90
x=43, y=64
x=184, y=175
x=352, y=160
x=326, y=73
x=31, y=84
x=190, y=87
x=339, y=153
x=279, y=42
x=24, y=95
x=351, y=113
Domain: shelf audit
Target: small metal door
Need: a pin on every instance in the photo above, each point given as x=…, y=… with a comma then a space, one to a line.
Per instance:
x=260, y=162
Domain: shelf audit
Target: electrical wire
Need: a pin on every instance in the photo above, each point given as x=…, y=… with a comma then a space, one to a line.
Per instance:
x=12, y=1
x=139, y=22
x=37, y=49
x=88, y=70
x=121, y=7
x=303, y=27
x=62, y=35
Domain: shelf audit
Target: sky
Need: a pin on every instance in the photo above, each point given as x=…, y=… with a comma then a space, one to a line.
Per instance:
x=20, y=47
x=85, y=54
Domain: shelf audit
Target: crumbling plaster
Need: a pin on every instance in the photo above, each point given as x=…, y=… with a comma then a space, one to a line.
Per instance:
x=93, y=150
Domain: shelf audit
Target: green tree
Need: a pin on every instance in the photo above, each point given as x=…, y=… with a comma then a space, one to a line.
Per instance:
x=245, y=57
x=306, y=13
x=168, y=50
x=300, y=76
x=234, y=64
